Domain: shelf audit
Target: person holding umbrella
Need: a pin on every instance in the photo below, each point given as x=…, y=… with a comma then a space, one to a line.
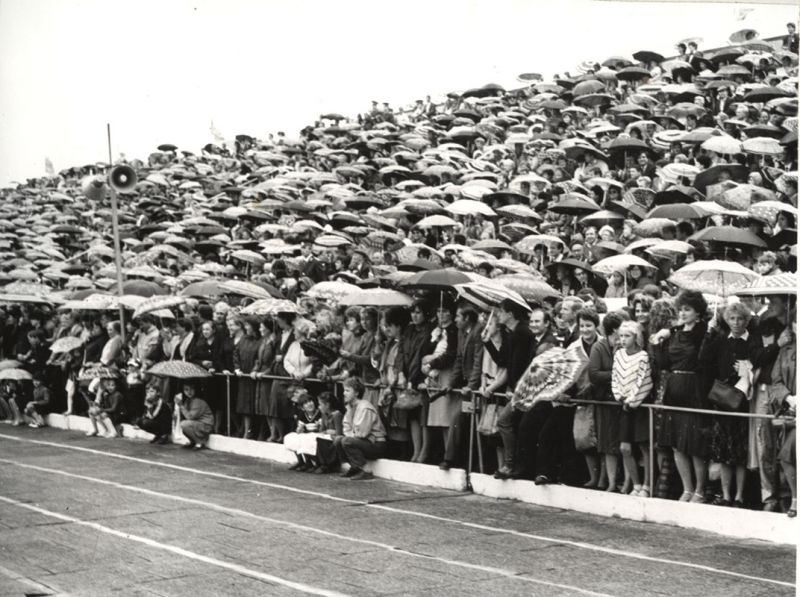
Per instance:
x=197, y=419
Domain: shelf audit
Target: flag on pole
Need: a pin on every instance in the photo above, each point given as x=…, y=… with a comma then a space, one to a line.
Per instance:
x=48, y=167
x=218, y=138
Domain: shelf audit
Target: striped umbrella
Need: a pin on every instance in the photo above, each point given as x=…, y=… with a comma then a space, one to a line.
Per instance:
x=487, y=296
x=779, y=284
x=156, y=303
x=66, y=344
x=549, y=376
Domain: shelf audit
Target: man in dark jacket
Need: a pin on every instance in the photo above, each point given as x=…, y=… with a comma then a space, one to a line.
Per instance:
x=515, y=355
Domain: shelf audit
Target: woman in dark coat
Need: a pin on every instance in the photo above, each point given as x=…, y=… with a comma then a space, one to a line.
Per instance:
x=210, y=354
x=677, y=354
x=245, y=356
x=413, y=345
x=601, y=360
x=265, y=359
x=727, y=354
x=279, y=406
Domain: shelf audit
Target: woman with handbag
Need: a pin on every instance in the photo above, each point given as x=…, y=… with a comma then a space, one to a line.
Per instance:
x=677, y=353
x=729, y=354
x=396, y=400
x=492, y=381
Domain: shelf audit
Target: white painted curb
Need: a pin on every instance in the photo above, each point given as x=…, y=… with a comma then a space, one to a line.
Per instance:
x=731, y=522
x=741, y=524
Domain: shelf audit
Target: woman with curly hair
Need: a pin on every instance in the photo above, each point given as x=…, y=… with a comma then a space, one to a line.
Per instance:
x=677, y=354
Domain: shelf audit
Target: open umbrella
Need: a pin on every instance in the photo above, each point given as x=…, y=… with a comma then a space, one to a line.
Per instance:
x=15, y=374
x=779, y=284
x=669, y=248
x=574, y=204
x=488, y=295
x=718, y=172
x=436, y=221
x=729, y=235
x=66, y=344
x=676, y=211
x=770, y=209
x=549, y=376
x=533, y=289
x=469, y=207
x=9, y=364
x=332, y=291
x=178, y=370
x=762, y=146
x=377, y=297
x=617, y=263
x=439, y=279
x=142, y=288
x=247, y=289
x=155, y=303
x=722, y=278
x=723, y=144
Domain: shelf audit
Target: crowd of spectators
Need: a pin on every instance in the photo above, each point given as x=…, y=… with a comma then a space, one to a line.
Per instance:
x=389, y=285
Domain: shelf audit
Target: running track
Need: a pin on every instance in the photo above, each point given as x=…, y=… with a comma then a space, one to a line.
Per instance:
x=84, y=516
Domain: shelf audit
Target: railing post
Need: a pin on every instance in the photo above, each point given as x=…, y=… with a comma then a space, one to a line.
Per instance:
x=228, y=402
x=651, y=451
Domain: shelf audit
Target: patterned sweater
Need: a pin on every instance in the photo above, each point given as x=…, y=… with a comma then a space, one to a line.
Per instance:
x=631, y=381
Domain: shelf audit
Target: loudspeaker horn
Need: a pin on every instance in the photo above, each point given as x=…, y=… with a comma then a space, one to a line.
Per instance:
x=122, y=178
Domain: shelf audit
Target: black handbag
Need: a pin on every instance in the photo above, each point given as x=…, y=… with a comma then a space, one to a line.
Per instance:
x=726, y=397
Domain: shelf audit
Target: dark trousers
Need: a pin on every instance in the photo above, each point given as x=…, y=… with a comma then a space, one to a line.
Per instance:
x=357, y=451
x=326, y=453
x=555, y=441
x=507, y=424
x=530, y=429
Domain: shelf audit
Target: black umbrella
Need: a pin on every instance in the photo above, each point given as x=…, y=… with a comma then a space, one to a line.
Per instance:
x=730, y=235
x=714, y=174
x=677, y=194
x=762, y=95
x=648, y=56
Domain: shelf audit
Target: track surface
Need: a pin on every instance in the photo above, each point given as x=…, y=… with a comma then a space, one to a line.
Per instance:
x=81, y=517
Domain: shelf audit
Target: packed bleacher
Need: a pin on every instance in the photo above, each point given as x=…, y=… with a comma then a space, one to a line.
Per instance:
x=520, y=280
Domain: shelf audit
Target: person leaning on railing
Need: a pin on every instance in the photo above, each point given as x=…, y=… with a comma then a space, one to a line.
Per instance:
x=783, y=394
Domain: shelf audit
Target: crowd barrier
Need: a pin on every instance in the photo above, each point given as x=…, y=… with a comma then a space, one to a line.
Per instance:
x=473, y=410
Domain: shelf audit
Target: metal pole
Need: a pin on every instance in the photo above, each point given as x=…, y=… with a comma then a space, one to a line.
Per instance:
x=471, y=438
x=115, y=233
x=651, y=455
x=228, y=402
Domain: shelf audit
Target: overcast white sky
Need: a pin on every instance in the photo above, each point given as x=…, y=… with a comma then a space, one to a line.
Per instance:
x=160, y=71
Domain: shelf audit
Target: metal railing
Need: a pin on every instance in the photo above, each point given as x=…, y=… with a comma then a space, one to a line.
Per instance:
x=475, y=409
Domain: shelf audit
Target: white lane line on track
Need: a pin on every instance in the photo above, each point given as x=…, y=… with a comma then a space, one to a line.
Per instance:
x=473, y=525
x=308, y=589
x=308, y=529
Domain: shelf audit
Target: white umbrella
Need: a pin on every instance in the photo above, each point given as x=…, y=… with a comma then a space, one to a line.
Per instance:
x=713, y=277
x=436, y=221
x=724, y=144
x=617, y=263
x=469, y=207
